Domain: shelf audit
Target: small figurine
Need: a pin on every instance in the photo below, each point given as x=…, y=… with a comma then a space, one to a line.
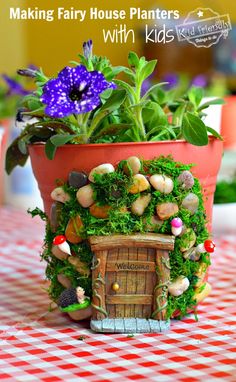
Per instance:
x=74, y=302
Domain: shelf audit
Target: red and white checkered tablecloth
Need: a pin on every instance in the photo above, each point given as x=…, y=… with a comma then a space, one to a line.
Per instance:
x=38, y=345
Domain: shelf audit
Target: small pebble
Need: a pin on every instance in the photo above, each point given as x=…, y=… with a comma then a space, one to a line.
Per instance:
x=191, y=202
x=201, y=275
x=186, y=179
x=77, y=179
x=192, y=254
x=153, y=223
x=55, y=215
x=79, y=265
x=59, y=195
x=85, y=196
x=100, y=212
x=64, y=281
x=179, y=286
x=200, y=294
x=104, y=168
x=166, y=210
x=140, y=183
x=188, y=239
x=134, y=164
x=73, y=229
x=140, y=204
x=58, y=253
x=162, y=183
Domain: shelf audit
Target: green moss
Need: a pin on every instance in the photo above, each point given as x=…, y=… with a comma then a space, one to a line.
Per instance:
x=74, y=307
x=112, y=189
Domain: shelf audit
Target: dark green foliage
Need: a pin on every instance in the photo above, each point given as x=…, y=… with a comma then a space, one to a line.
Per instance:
x=225, y=192
x=112, y=189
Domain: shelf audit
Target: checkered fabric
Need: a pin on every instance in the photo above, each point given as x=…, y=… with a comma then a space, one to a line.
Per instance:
x=42, y=345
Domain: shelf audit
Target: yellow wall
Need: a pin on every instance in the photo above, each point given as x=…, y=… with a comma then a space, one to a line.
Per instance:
x=12, y=41
x=52, y=44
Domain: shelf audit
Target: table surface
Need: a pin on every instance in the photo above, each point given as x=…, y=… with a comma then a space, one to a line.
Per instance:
x=39, y=345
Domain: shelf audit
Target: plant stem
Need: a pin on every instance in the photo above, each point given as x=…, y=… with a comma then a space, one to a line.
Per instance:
x=138, y=113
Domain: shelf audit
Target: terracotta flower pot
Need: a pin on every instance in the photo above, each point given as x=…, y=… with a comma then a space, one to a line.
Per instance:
x=85, y=157
x=228, y=129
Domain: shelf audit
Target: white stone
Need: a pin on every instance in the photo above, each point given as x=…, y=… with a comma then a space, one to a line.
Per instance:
x=59, y=195
x=104, y=168
x=162, y=183
x=135, y=165
x=85, y=196
x=179, y=286
x=140, y=204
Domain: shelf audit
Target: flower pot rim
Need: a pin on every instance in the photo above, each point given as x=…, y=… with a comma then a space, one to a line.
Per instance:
x=86, y=145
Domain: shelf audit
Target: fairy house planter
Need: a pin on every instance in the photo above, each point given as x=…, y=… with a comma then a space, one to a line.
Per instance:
x=130, y=278
x=113, y=167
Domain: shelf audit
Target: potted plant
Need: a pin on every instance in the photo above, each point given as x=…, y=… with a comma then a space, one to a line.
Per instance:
x=86, y=116
x=225, y=206
x=108, y=148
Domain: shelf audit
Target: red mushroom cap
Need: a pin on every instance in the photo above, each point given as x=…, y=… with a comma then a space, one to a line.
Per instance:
x=59, y=239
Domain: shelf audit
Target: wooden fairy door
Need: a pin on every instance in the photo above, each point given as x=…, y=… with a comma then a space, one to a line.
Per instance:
x=130, y=281
x=130, y=277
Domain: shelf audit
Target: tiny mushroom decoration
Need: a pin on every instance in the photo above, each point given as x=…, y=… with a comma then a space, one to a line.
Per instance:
x=176, y=226
x=207, y=246
x=60, y=241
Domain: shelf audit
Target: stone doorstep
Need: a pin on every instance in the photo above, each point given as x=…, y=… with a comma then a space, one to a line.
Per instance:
x=129, y=325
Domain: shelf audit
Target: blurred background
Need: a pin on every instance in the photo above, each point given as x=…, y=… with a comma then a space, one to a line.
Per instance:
x=51, y=45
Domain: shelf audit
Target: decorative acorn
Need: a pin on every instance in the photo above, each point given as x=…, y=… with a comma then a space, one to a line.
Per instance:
x=176, y=226
x=60, y=241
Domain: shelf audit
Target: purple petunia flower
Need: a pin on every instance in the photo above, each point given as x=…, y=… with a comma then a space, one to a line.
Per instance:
x=14, y=88
x=200, y=80
x=172, y=79
x=74, y=91
x=88, y=49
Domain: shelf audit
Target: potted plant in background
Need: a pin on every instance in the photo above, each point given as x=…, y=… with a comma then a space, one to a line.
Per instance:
x=225, y=206
x=107, y=144
x=86, y=116
x=11, y=92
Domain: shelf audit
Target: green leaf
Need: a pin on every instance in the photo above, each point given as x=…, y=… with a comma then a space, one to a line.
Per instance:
x=214, y=133
x=133, y=60
x=194, y=130
x=128, y=88
x=153, y=89
x=14, y=156
x=154, y=115
x=114, y=102
x=216, y=101
x=106, y=94
x=50, y=149
x=61, y=139
x=147, y=70
x=113, y=129
x=178, y=115
x=22, y=146
x=195, y=95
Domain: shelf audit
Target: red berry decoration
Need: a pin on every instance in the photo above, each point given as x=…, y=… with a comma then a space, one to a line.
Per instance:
x=59, y=239
x=209, y=246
